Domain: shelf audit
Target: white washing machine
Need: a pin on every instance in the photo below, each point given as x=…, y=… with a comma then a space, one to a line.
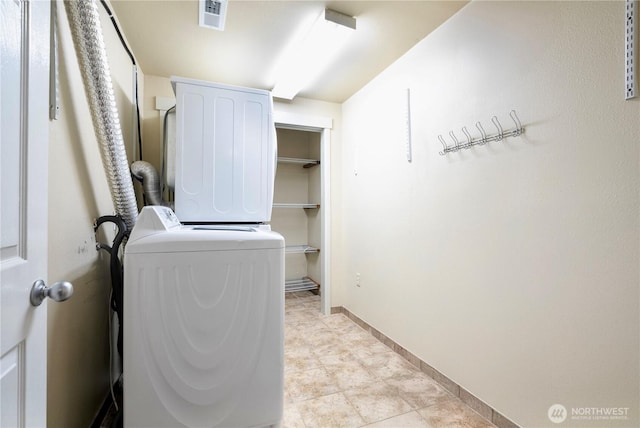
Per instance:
x=203, y=324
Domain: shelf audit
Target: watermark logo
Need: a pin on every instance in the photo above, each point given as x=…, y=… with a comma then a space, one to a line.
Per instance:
x=557, y=413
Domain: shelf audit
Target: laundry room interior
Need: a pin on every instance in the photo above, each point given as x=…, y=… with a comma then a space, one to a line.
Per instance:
x=466, y=210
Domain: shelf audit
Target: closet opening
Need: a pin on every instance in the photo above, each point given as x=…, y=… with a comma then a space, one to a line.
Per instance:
x=301, y=204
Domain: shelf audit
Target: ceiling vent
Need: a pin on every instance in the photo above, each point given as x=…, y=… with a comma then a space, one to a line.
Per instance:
x=212, y=14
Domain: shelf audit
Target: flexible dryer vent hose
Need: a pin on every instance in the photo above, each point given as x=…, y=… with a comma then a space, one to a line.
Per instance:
x=147, y=173
x=84, y=20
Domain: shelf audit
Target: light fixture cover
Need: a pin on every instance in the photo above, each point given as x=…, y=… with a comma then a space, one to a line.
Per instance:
x=340, y=18
x=309, y=55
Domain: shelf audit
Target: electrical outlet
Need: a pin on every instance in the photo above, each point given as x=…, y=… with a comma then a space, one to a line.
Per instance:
x=358, y=279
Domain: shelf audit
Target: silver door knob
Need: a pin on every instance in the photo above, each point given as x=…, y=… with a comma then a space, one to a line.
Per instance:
x=60, y=291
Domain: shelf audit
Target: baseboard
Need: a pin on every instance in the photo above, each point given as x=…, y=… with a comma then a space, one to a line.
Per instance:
x=465, y=396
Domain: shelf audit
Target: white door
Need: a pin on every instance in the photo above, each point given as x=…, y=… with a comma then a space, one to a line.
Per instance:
x=24, y=129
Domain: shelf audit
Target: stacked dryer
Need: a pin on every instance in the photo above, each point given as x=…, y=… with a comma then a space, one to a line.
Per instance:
x=204, y=287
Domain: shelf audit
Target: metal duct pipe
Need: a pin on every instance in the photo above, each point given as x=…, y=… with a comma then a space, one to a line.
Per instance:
x=146, y=173
x=84, y=20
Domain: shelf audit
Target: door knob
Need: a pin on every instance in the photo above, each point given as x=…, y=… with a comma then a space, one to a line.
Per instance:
x=60, y=291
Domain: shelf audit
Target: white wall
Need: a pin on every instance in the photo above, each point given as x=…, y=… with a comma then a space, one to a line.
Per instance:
x=512, y=268
x=78, y=349
x=155, y=86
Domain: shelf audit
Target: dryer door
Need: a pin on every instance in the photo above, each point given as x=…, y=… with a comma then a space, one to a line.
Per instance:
x=225, y=153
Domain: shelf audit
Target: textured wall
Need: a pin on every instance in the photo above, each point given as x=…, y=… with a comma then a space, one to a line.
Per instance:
x=511, y=268
x=78, y=349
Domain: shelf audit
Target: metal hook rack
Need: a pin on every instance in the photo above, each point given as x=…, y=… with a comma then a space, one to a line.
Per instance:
x=484, y=138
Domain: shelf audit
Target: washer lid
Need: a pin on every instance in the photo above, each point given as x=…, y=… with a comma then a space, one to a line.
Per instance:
x=157, y=230
x=188, y=239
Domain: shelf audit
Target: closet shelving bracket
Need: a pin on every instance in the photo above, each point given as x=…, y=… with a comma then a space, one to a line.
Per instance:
x=306, y=249
x=469, y=142
x=306, y=163
x=302, y=205
x=302, y=284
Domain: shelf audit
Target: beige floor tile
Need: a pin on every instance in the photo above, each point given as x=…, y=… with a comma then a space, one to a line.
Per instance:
x=362, y=339
x=290, y=296
x=334, y=320
x=387, y=365
x=330, y=347
x=311, y=304
x=293, y=303
x=408, y=420
x=333, y=359
x=339, y=375
x=303, y=385
x=294, y=342
x=453, y=413
x=340, y=322
x=300, y=359
x=419, y=390
x=303, y=326
x=370, y=351
x=329, y=411
x=291, y=417
x=310, y=297
x=377, y=401
x=358, y=334
x=300, y=315
x=322, y=336
x=349, y=374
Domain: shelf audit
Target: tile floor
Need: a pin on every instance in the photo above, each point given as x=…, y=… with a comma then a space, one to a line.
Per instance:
x=338, y=375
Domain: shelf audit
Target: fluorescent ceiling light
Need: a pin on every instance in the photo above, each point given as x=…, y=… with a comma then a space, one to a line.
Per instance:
x=309, y=55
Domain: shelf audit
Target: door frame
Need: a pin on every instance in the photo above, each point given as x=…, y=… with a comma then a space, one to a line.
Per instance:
x=322, y=125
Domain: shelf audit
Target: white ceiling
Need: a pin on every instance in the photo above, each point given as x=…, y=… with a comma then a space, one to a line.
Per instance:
x=166, y=39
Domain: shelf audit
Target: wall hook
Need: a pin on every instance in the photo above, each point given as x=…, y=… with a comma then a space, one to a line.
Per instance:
x=496, y=123
x=483, y=140
x=465, y=131
x=444, y=145
x=456, y=143
x=516, y=120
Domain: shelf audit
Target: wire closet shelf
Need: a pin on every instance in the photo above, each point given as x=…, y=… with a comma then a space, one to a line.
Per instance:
x=484, y=138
